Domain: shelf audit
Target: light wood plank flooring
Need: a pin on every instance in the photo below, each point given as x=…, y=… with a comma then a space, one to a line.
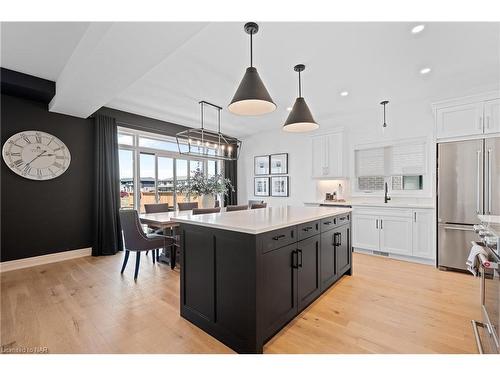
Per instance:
x=85, y=306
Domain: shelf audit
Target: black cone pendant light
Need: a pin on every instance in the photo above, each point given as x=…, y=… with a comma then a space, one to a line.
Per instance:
x=251, y=97
x=300, y=118
x=384, y=103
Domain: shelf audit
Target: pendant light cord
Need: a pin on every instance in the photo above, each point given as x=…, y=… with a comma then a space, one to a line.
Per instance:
x=300, y=86
x=251, y=49
x=384, y=113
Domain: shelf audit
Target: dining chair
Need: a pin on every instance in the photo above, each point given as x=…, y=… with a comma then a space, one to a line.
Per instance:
x=134, y=238
x=199, y=211
x=250, y=202
x=217, y=204
x=258, y=205
x=237, y=208
x=187, y=206
x=153, y=208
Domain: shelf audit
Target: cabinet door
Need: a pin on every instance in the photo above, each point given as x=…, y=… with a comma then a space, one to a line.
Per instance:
x=280, y=288
x=335, y=151
x=492, y=116
x=328, y=262
x=343, y=250
x=318, y=157
x=308, y=280
x=461, y=120
x=423, y=230
x=395, y=235
x=365, y=232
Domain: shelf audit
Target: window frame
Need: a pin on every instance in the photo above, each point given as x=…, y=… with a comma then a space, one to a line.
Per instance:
x=137, y=150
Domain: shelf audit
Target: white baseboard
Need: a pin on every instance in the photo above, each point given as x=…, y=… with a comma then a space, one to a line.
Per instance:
x=17, y=264
x=428, y=261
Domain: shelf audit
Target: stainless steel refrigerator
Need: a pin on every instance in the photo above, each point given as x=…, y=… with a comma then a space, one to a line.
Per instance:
x=468, y=184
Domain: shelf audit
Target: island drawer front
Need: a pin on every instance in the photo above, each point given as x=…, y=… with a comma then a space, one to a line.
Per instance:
x=334, y=221
x=307, y=230
x=278, y=238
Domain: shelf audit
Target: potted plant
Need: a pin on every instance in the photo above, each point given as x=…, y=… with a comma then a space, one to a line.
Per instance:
x=205, y=188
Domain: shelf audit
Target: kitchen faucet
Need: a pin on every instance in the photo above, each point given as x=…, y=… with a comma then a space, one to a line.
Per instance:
x=386, y=197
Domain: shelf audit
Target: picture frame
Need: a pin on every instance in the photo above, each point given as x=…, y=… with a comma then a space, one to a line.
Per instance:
x=261, y=165
x=279, y=186
x=278, y=163
x=261, y=186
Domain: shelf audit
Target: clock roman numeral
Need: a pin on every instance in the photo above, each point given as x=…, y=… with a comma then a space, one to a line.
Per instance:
x=58, y=165
x=38, y=138
x=61, y=157
x=15, y=154
x=26, y=169
x=59, y=148
x=39, y=173
x=17, y=163
x=26, y=139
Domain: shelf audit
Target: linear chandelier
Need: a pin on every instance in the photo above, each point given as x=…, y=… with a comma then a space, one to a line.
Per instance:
x=208, y=144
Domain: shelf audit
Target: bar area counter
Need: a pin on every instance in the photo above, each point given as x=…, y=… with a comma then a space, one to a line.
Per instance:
x=246, y=274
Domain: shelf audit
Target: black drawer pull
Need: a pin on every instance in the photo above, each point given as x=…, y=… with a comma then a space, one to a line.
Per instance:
x=327, y=222
x=307, y=229
x=277, y=238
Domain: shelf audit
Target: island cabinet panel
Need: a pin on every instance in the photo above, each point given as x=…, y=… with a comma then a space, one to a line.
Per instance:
x=328, y=259
x=279, y=280
x=343, y=250
x=308, y=271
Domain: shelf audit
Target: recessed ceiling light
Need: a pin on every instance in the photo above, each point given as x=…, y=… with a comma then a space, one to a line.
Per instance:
x=425, y=71
x=288, y=109
x=344, y=93
x=417, y=29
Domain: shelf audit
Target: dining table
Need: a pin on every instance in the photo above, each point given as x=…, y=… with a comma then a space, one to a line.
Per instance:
x=164, y=221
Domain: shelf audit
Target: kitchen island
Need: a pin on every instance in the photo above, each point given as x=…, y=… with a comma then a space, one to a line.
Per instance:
x=246, y=274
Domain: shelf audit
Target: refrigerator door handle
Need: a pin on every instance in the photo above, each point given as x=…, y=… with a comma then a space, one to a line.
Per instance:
x=478, y=182
x=489, y=181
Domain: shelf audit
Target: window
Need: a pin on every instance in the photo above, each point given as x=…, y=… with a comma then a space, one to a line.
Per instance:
x=126, y=160
x=152, y=169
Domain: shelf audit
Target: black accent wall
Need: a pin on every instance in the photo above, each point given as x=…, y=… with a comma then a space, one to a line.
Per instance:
x=42, y=217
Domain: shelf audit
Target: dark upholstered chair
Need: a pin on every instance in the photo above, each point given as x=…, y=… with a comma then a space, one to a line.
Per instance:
x=250, y=202
x=217, y=204
x=136, y=240
x=153, y=208
x=258, y=205
x=199, y=211
x=187, y=206
x=236, y=208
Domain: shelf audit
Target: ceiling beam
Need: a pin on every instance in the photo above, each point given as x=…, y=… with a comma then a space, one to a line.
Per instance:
x=112, y=56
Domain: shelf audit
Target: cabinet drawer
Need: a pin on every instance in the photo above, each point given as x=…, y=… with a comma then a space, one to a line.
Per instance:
x=278, y=238
x=307, y=230
x=334, y=221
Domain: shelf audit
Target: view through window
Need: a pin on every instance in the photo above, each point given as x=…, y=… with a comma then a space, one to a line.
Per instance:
x=152, y=169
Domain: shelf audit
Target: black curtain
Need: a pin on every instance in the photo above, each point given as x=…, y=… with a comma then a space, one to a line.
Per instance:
x=231, y=172
x=107, y=230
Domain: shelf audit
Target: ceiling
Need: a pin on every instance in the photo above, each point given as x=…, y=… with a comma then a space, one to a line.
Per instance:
x=162, y=70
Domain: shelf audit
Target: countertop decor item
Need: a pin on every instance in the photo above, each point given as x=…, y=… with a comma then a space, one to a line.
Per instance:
x=36, y=155
x=208, y=144
x=251, y=97
x=300, y=118
x=205, y=188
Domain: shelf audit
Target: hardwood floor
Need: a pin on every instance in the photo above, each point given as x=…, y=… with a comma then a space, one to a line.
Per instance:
x=85, y=306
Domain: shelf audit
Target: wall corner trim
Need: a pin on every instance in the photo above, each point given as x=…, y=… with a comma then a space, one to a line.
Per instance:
x=44, y=259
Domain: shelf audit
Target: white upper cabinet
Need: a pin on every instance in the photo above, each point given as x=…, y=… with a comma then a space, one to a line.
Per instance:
x=468, y=117
x=461, y=120
x=492, y=116
x=328, y=156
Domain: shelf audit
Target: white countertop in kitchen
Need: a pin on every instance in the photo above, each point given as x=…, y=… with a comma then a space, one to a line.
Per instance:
x=374, y=204
x=261, y=220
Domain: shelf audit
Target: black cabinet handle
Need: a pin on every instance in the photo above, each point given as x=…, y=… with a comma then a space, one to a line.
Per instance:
x=335, y=242
x=307, y=229
x=299, y=253
x=327, y=222
x=277, y=238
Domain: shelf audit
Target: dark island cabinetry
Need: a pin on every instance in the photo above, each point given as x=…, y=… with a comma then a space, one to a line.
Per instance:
x=243, y=288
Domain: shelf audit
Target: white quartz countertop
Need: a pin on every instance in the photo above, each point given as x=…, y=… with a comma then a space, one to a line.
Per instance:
x=261, y=220
x=374, y=204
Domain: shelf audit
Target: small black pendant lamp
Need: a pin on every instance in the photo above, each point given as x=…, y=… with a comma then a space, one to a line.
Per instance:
x=251, y=97
x=384, y=103
x=300, y=118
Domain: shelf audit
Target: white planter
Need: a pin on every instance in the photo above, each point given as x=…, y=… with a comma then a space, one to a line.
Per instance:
x=207, y=201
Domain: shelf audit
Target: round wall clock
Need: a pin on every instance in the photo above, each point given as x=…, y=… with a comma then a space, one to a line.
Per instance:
x=36, y=155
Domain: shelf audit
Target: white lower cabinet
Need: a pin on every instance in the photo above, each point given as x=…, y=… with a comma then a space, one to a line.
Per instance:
x=394, y=231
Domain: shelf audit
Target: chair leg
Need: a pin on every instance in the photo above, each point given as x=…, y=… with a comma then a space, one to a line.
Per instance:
x=173, y=254
x=137, y=262
x=153, y=255
x=147, y=251
x=125, y=260
x=157, y=255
